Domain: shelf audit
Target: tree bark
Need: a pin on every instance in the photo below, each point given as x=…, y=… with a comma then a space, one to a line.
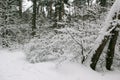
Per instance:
x=98, y=52
x=51, y=8
x=20, y=8
x=111, y=49
x=34, y=17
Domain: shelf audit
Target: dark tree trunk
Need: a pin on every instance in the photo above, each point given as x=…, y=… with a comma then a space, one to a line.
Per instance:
x=98, y=52
x=50, y=9
x=34, y=17
x=111, y=49
x=61, y=9
x=20, y=8
x=51, y=2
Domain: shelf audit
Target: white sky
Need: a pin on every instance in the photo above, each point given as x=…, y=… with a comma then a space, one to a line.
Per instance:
x=27, y=4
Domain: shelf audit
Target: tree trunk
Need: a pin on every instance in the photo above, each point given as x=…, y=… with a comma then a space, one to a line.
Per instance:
x=20, y=8
x=111, y=49
x=38, y=8
x=51, y=8
x=98, y=52
x=61, y=9
x=34, y=18
x=109, y=28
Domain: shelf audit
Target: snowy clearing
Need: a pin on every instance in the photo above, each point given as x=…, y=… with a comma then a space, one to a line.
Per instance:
x=13, y=66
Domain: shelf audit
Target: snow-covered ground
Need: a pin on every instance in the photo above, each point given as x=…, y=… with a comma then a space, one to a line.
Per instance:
x=13, y=66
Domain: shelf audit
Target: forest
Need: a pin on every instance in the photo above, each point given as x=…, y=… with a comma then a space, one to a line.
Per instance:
x=83, y=34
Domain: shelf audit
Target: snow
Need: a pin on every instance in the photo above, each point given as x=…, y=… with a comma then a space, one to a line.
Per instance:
x=26, y=4
x=93, y=2
x=114, y=9
x=13, y=66
x=70, y=1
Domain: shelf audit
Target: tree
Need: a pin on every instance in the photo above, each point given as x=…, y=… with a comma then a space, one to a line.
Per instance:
x=49, y=5
x=34, y=17
x=7, y=15
x=111, y=49
x=20, y=8
x=110, y=28
x=59, y=9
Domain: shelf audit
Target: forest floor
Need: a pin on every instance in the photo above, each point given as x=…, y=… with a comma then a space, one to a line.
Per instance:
x=14, y=66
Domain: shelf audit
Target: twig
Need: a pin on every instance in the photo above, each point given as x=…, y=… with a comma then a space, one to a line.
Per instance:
x=82, y=51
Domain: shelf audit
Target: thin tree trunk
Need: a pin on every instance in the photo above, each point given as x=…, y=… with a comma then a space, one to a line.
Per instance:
x=20, y=8
x=50, y=9
x=60, y=10
x=34, y=18
x=38, y=8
